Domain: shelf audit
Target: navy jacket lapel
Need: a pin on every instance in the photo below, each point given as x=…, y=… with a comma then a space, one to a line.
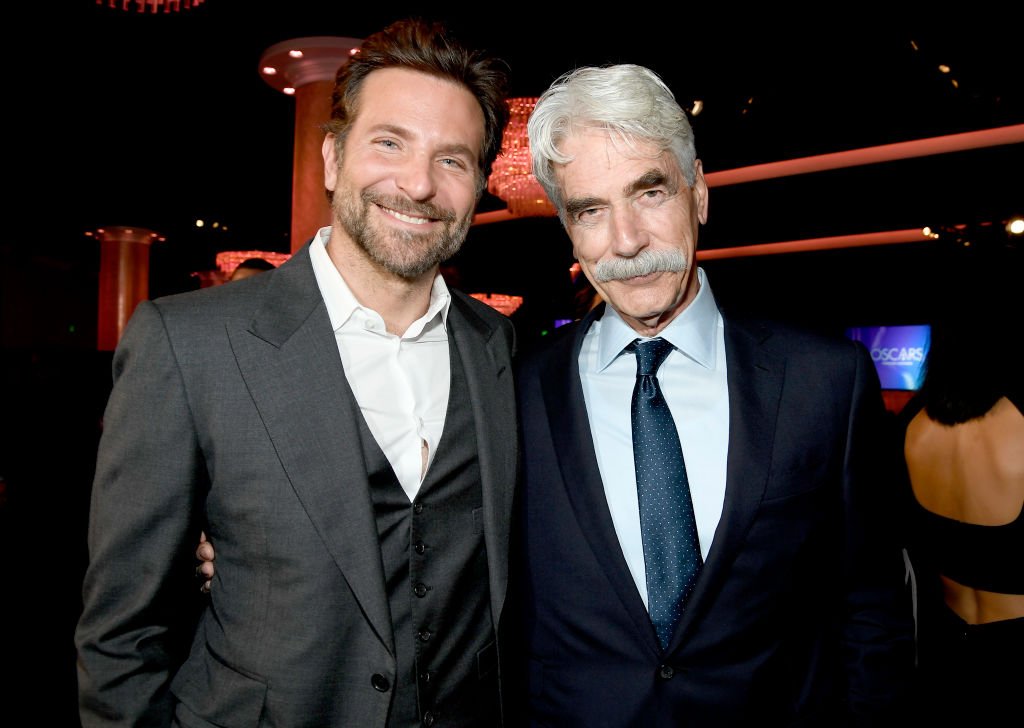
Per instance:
x=577, y=462
x=755, y=377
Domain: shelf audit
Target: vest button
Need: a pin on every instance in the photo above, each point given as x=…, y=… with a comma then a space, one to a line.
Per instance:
x=419, y=547
x=420, y=590
x=380, y=683
x=417, y=508
x=424, y=635
x=665, y=672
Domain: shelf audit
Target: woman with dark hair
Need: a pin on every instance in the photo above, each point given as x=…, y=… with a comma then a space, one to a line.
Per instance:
x=964, y=450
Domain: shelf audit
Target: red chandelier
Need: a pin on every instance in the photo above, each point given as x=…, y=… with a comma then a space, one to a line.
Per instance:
x=154, y=6
x=512, y=176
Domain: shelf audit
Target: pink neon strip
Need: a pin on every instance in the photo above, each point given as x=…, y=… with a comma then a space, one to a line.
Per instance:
x=914, y=235
x=869, y=155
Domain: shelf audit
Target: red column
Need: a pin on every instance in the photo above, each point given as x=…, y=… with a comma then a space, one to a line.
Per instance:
x=124, y=279
x=306, y=68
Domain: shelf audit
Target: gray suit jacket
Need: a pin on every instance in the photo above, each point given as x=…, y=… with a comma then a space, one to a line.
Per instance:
x=230, y=412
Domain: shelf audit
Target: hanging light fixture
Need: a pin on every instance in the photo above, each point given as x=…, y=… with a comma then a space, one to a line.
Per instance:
x=154, y=6
x=511, y=175
x=501, y=302
x=228, y=260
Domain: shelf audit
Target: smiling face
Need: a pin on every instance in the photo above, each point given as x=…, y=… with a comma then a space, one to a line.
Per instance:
x=633, y=223
x=406, y=186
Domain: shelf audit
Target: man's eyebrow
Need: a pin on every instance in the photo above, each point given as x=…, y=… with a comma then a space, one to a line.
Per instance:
x=395, y=129
x=579, y=204
x=453, y=149
x=651, y=178
x=458, y=150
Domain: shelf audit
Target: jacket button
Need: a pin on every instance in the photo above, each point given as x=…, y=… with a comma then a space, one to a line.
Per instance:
x=419, y=547
x=380, y=683
x=424, y=635
x=417, y=508
x=428, y=719
x=420, y=590
x=665, y=672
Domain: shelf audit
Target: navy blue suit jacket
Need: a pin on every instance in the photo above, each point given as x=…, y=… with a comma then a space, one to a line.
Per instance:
x=800, y=615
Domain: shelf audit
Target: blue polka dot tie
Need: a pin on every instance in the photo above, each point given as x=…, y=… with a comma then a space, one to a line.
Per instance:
x=667, y=525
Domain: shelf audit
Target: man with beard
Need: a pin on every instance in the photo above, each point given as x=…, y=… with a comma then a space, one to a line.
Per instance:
x=342, y=427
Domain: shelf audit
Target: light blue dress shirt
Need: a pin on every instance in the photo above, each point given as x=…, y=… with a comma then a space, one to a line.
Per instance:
x=694, y=382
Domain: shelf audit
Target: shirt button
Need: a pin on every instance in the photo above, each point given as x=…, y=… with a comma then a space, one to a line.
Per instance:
x=424, y=635
x=665, y=672
x=417, y=508
x=420, y=590
x=419, y=547
x=380, y=683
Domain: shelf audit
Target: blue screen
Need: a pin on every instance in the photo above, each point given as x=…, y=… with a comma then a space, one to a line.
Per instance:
x=898, y=352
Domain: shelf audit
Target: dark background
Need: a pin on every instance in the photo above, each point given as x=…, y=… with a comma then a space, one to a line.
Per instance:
x=117, y=118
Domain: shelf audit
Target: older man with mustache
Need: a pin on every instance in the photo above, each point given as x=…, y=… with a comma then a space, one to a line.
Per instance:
x=704, y=498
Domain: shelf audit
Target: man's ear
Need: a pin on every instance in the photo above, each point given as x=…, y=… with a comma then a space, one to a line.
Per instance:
x=330, y=154
x=700, y=189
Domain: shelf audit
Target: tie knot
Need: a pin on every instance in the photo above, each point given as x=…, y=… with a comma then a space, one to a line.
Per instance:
x=649, y=355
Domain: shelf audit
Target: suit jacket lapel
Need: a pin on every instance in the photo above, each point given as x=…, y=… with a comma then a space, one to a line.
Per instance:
x=755, y=377
x=577, y=462
x=289, y=358
x=488, y=368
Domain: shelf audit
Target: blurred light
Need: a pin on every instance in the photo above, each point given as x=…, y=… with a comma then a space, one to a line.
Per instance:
x=512, y=173
x=228, y=260
x=944, y=68
x=500, y=302
x=1015, y=226
x=698, y=106
x=199, y=223
x=154, y=6
x=301, y=61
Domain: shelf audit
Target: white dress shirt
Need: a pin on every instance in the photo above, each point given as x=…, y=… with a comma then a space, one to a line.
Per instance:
x=400, y=382
x=693, y=380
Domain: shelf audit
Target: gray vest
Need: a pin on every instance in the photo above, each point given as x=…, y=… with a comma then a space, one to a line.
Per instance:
x=435, y=567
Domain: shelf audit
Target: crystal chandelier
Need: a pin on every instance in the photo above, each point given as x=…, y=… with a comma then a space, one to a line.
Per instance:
x=511, y=176
x=502, y=302
x=154, y=6
x=228, y=260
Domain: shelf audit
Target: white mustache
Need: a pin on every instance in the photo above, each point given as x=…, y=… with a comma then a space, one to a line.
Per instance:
x=647, y=262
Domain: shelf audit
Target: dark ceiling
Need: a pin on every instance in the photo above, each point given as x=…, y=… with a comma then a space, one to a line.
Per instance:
x=167, y=119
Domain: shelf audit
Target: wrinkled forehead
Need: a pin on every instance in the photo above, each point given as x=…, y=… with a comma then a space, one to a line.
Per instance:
x=601, y=161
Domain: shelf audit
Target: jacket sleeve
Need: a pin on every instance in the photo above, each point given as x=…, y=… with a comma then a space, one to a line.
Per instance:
x=139, y=596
